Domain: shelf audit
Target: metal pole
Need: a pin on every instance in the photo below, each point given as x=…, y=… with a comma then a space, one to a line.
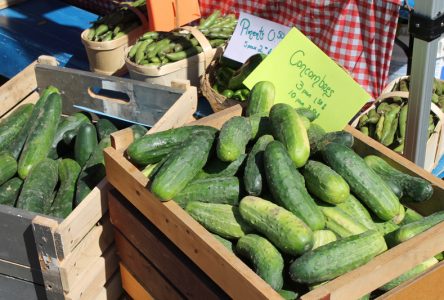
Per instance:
x=421, y=84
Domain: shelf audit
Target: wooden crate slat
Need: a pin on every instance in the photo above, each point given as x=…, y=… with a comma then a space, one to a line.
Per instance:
x=30, y=99
x=149, y=277
x=160, y=251
x=13, y=288
x=130, y=284
x=112, y=289
x=21, y=272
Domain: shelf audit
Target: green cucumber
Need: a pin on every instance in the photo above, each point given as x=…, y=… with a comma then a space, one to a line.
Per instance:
x=385, y=227
x=306, y=123
x=261, y=98
x=104, y=128
x=218, y=168
x=337, y=258
x=69, y=171
x=264, y=258
x=37, y=191
x=288, y=295
x=72, y=122
x=287, y=186
x=138, y=131
x=325, y=183
x=10, y=190
x=356, y=210
x=323, y=237
x=281, y=227
x=363, y=181
x=225, y=190
x=413, y=188
x=227, y=244
x=11, y=125
x=69, y=137
x=41, y=135
x=8, y=167
x=151, y=148
x=260, y=125
x=179, y=169
x=221, y=219
x=308, y=113
x=236, y=82
x=315, y=134
x=289, y=129
x=86, y=142
x=410, y=216
x=254, y=176
x=338, y=137
x=233, y=138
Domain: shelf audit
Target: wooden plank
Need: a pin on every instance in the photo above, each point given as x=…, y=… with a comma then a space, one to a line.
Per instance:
x=112, y=289
x=161, y=252
x=427, y=286
x=30, y=99
x=13, y=288
x=17, y=88
x=44, y=229
x=89, y=250
x=99, y=273
x=130, y=284
x=79, y=222
x=21, y=272
x=149, y=277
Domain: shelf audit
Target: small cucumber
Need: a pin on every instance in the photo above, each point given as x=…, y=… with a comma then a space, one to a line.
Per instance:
x=218, y=168
x=288, y=295
x=308, y=113
x=104, y=128
x=233, y=138
x=261, y=98
x=315, y=134
x=10, y=190
x=356, y=210
x=138, y=131
x=323, y=237
x=86, y=142
x=265, y=259
x=11, y=125
x=8, y=167
x=72, y=122
x=410, y=216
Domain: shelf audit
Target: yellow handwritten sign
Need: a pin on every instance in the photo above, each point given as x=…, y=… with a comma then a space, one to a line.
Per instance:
x=304, y=76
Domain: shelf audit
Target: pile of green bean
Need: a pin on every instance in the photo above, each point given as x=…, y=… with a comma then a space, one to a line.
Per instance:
x=157, y=48
x=116, y=24
x=387, y=122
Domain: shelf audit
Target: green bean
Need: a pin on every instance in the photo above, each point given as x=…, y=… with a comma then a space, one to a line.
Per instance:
x=101, y=30
x=155, y=60
x=140, y=52
x=91, y=34
x=184, y=54
x=403, y=121
x=107, y=37
x=217, y=42
x=118, y=35
x=373, y=116
x=150, y=35
x=383, y=108
x=210, y=20
x=364, y=130
x=363, y=121
x=390, y=125
x=435, y=98
x=133, y=49
x=379, y=127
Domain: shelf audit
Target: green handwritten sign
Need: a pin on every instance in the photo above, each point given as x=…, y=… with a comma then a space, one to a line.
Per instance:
x=304, y=76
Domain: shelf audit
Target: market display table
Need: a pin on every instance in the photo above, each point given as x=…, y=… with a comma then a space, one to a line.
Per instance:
x=33, y=28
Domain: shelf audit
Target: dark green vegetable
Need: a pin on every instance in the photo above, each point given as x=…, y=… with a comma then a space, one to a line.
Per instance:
x=218, y=168
x=104, y=128
x=10, y=190
x=11, y=125
x=233, y=138
x=86, y=143
x=8, y=167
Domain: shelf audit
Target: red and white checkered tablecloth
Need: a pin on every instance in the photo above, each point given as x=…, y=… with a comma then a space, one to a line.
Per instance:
x=359, y=35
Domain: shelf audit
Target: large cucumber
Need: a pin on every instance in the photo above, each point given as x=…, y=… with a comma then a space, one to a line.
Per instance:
x=11, y=126
x=265, y=259
x=138, y=131
x=325, y=183
x=151, y=148
x=287, y=186
x=10, y=190
x=363, y=181
x=8, y=167
x=38, y=188
x=413, y=188
x=315, y=134
x=356, y=210
x=337, y=258
x=323, y=237
x=286, y=231
x=254, y=176
x=69, y=171
x=233, y=138
x=85, y=144
x=217, y=168
x=261, y=98
x=72, y=122
x=41, y=135
x=182, y=166
x=260, y=125
x=289, y=129
x=104, y=128
x=221, y=219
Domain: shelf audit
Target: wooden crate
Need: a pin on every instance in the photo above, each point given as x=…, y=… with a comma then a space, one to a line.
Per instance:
x=229, y=272
x=72, y=258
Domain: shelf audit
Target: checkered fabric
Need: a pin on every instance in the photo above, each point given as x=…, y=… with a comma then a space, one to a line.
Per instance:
x=359, y=35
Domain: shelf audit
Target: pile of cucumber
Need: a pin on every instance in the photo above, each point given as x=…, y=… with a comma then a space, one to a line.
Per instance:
x=50, y=162
x=297, y=204
x=157, y=48
x=387, y=122
x=116, y=24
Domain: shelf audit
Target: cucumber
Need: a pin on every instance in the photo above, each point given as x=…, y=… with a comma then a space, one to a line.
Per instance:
x=254, y=176
x=16, y=146
x=227, y=244
x=264, y=258
x=306, y=123
x=10, y=190
x=261, y=98
x=287, y=186
x=179, y=169
x=340, y=222
x=363, y=181
x=138, y=131
x=386, y=227
x=37, y=191
x=104, y=128
x=412, y=273
x=218, y=168
x=11, y=125
x=281, y=227
x=288, y=295
x=69, y=171
x=325, y=183
x=225, y=190
x=410, y=216
x=8, y=167
x=72, y=122
x=233, y=138
x=151, y=148
x=339, y=137
x=323, y=237
x=308, y=113
x=290, y=131
x=41, y=135
x=413, y=188
x=86, y=142
x=315, y=134
x=221, y=219
x=260, y=125
x=356, y=210
x=337, y=258
x=245, y=70
x=69, y=137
